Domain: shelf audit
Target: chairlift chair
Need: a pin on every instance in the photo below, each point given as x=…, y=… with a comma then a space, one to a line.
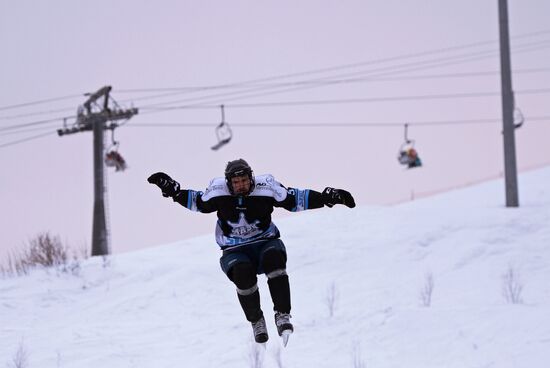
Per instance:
x=113, y=158
x=519, y=119
x=223, y=132
x=408, y=155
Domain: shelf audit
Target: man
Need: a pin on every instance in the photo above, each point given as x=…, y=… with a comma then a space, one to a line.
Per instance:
x=248, y=238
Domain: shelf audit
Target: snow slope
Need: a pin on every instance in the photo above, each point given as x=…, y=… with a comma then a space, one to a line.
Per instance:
x=172, y=306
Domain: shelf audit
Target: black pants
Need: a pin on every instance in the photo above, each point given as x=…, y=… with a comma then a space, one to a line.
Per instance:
x=270, y=260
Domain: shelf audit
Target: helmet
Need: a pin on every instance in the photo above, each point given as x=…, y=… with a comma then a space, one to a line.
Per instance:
x=238, y=168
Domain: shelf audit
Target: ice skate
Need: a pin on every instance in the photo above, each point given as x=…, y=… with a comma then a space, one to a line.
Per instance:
x=260, y=331
x=284, y=327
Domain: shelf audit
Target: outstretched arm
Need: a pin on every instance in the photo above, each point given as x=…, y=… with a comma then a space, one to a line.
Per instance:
x=189, y=199
x=300, y=199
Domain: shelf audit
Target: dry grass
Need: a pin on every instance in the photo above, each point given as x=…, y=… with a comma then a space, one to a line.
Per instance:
x=44, y=251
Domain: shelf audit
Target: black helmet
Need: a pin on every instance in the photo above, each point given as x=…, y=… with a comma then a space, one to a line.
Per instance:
x=238, y=168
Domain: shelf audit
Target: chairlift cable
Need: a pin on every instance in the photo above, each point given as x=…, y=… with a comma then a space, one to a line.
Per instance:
x=340, y=67
x=485, y=121
x=255, y=91
x=26, y=139
x=321, y=82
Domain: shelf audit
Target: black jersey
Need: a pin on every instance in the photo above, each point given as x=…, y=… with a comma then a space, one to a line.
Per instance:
x=246, y=219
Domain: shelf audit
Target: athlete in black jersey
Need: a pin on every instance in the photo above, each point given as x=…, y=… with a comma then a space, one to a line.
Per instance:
x=249, y=240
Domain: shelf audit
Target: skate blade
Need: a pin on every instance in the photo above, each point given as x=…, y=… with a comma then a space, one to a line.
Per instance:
x=285, y=335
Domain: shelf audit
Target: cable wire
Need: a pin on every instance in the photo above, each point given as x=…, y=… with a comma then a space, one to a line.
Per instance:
x=223, y=97
x=340, y=124
x=247, y=84
x=27, y=130
x=357, y=100
x=9, y=107
x=26, y=139
x=33, y=123
x=339, y=67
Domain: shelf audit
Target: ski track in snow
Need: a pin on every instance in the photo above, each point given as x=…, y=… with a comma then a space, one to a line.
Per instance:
x=172, y=306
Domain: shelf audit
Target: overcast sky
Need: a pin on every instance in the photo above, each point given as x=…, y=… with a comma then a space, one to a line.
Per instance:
x=398, y=62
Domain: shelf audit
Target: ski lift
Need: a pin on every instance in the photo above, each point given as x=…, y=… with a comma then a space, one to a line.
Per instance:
x=112, y=157
x=408, y=155
x=223, y=132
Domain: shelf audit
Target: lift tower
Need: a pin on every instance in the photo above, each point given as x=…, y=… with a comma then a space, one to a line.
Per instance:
x=510, y=166
x=98, y=121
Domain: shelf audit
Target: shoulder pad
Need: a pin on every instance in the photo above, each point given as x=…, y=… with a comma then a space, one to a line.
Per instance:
x=267, y=186
x=216, y=188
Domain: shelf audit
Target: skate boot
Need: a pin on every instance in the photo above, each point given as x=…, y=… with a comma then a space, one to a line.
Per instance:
x=282, y=320
x=284, y=327
x=260, y=330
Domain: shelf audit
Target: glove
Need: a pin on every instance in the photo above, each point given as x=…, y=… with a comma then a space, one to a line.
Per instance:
x=167, y=185
x=333, y=196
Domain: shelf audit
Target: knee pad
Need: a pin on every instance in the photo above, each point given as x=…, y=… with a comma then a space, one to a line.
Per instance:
x=276, y=273
x=243, y=276
x=274, y=259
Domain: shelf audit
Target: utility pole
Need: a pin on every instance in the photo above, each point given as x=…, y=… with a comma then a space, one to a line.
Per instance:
x=510, y=167
x=98, y=122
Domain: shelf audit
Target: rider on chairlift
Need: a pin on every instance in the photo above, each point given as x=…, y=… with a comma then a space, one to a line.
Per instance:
x=113, y=158
x=408, y=155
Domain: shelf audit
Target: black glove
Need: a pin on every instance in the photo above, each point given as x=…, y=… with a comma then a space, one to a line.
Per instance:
x=168, y=185
x=333, y=196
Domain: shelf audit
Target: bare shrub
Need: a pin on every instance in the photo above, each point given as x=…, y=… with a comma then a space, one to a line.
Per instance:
x=512, y=286
x=45, y=251
x=427, y=290
x=21, y=358
x=331, y=298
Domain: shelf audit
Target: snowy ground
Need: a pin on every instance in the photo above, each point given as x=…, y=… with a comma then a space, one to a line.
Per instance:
x=171, y=305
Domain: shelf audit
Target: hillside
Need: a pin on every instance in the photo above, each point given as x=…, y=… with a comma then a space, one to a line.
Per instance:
x=172, y=306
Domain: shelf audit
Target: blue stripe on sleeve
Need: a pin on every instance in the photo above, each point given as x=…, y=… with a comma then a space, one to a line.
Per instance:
x=189, y=197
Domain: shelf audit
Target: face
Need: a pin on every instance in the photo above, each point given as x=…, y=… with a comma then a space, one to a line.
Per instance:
x=241, y=184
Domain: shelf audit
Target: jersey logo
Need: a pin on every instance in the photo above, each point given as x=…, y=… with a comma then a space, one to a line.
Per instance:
x=244, y=229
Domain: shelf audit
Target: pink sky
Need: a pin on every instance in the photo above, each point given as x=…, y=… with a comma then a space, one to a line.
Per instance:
x=67, y=48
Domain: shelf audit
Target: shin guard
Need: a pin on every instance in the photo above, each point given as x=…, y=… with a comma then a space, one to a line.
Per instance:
x=279, y=288
x=250, y=303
